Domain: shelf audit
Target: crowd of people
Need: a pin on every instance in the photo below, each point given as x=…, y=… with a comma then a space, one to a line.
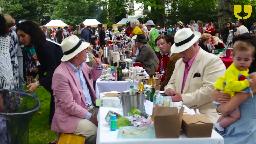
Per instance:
x=182, y=56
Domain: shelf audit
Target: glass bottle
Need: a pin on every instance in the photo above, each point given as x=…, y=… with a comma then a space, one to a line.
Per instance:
x=119, y=73
x=152, y=94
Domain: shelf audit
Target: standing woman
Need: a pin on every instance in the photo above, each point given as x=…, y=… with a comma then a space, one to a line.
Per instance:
x=6, y=70
x=242, y=131
x=15, y=52
x=6, y=76
x=47, y=53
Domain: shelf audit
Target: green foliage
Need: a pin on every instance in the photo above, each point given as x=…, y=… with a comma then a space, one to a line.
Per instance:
x=122, y=122
x=186, y=10
x=116, y=10
x=111, y=11
x=135, y=111
x=39, y=129
x=75, y=12
x=30, y=9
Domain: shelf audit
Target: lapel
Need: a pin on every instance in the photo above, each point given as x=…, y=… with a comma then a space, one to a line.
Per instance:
x=180, y=72
x=89, y=84
x=193, y=69
x=77, y=82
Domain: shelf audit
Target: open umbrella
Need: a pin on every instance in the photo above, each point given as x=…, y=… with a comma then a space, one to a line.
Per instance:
x=55, y=24
x=91, y=22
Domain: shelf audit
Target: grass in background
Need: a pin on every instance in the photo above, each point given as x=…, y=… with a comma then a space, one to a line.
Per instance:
x=39, y=128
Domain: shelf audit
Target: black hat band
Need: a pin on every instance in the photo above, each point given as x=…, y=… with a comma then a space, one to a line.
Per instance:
x=185, y=41
x=73, y=49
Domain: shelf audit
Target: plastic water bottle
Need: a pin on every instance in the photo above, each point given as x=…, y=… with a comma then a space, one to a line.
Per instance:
x=113, y=122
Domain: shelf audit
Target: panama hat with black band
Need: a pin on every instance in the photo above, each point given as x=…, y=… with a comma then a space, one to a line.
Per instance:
x=71, y=46
x=184, y=39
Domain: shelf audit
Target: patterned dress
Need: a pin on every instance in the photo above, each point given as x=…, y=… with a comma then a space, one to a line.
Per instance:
x=7, y=81
x=6, y=70
x=14, y=46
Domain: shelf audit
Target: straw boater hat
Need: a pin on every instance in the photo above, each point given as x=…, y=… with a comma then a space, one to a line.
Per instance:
x=184, y=39
x=71, y=46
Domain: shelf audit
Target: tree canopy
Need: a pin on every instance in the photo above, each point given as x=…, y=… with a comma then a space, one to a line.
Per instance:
x=111, y=11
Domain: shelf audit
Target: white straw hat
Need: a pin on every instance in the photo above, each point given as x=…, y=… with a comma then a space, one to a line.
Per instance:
x=184, y=39
x=71, y=46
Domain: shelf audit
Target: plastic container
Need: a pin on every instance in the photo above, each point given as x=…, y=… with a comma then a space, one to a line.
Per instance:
x=113, y=122
x=16, y=110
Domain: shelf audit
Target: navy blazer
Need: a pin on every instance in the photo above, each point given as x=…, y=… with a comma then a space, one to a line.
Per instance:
x=49, y=56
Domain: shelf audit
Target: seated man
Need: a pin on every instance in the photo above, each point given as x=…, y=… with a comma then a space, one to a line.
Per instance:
x=194, y=74
x=166, y=59
x=73, y=91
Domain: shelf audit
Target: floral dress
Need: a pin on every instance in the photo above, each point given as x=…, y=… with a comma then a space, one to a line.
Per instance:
x=30, y=63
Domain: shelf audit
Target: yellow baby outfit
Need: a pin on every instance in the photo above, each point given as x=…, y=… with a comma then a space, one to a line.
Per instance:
x=233, y=80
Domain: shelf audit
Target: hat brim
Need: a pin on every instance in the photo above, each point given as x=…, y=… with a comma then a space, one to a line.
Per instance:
x=82, y=47
x=178, y=49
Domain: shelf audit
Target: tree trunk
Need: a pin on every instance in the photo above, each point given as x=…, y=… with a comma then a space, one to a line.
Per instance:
x=224, y=13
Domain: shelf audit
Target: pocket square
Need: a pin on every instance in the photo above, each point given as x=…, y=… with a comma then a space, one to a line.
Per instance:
x=197, y=75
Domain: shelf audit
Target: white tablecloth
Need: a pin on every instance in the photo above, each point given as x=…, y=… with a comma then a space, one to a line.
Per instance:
x=106, y=86
x=105, y=136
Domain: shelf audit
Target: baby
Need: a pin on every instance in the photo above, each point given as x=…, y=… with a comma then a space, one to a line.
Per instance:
x=235, y=79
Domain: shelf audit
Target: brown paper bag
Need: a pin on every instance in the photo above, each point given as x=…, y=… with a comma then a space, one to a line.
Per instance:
x=197, y=125
x=167, y=121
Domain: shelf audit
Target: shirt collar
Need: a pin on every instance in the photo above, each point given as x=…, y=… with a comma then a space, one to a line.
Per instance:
x=165, y=54
x=190, y=62
x=74, y=68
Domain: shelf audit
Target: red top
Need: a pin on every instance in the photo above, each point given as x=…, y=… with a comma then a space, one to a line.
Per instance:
x=162, y=69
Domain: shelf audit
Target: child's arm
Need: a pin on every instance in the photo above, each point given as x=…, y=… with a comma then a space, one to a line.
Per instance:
x=227, y=108
x=219, y=83
x=237, y=86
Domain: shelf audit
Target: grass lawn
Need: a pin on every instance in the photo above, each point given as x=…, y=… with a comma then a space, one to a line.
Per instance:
x=39, y=129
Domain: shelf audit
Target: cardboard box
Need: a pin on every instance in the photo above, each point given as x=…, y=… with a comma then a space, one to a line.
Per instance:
x=167, y=121
x=197, y=125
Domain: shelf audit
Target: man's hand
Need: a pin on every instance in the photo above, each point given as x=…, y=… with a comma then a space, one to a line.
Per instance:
x=93, y=118
x=177, y=97
x=100, y=53
x=170, y=92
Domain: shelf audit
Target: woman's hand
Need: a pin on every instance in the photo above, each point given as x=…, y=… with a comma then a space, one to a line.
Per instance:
x=220, y=96
x=253, y=82
x=32, y=86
